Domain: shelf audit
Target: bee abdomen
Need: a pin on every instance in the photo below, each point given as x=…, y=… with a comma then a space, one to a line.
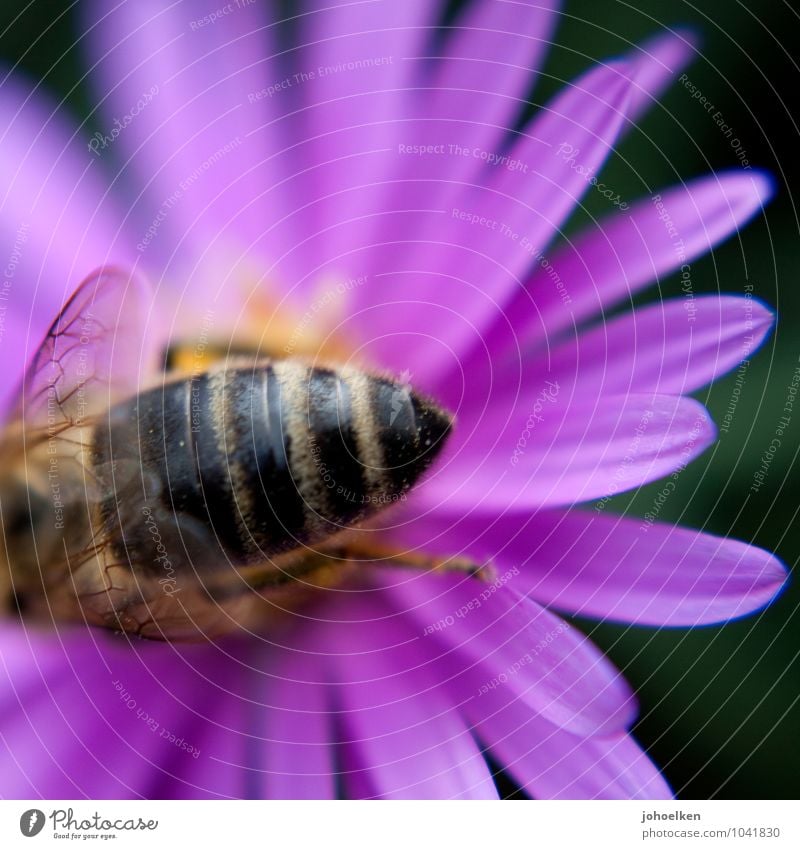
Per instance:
x=268, y=457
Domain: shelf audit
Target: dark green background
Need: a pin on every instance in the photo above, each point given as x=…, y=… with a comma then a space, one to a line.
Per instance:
x=719, y=705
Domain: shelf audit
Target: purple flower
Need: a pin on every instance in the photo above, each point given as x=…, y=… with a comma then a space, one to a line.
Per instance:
x=346, y=182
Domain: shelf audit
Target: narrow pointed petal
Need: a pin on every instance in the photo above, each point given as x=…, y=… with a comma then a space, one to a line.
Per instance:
x=353, y=75
x=88, y=698
x=611, y=567
x=646, y=572
x=487, y=64
x=626, y=251
x=559, y=453
x=671, y=347
x=288, y=749
x=402, y=736
x=406, y=87
x=549, y=763
x=188, y=108
x=519, y=646
x=657, y=66
x=458, y=281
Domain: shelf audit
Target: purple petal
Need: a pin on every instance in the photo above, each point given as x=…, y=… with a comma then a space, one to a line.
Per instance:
x=656, y=67
x=457, y=277
x=671, y=347
x=394, y=94
x=546, y=761
x=86, y=713
x=627, y=251
x=645, y=572
x=359, y=62
x=290, y=749
x=652, y=67
x=76, y=710
x=260, y=717
x=551, y=764
x=488, y=63
x=191, y=93
x=459, y=108
x=557, y=453
x=516, y=644
x=353, y=76
x=402, y=737
x=474, y=89
x=610, y=567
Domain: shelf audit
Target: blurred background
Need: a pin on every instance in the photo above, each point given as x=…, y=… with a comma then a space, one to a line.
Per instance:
x=719, y=706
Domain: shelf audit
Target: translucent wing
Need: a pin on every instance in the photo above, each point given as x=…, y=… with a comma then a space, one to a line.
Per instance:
x=92, y=355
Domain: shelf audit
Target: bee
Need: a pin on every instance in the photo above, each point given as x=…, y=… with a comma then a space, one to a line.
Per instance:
x=175, y=507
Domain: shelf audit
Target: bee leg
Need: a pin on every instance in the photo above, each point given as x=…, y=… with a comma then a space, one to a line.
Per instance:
x=381, y=555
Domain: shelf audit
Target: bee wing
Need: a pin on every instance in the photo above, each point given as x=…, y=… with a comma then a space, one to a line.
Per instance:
x=91, y=355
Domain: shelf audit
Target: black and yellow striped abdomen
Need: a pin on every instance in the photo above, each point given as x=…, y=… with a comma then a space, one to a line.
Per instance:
x=235, y=466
